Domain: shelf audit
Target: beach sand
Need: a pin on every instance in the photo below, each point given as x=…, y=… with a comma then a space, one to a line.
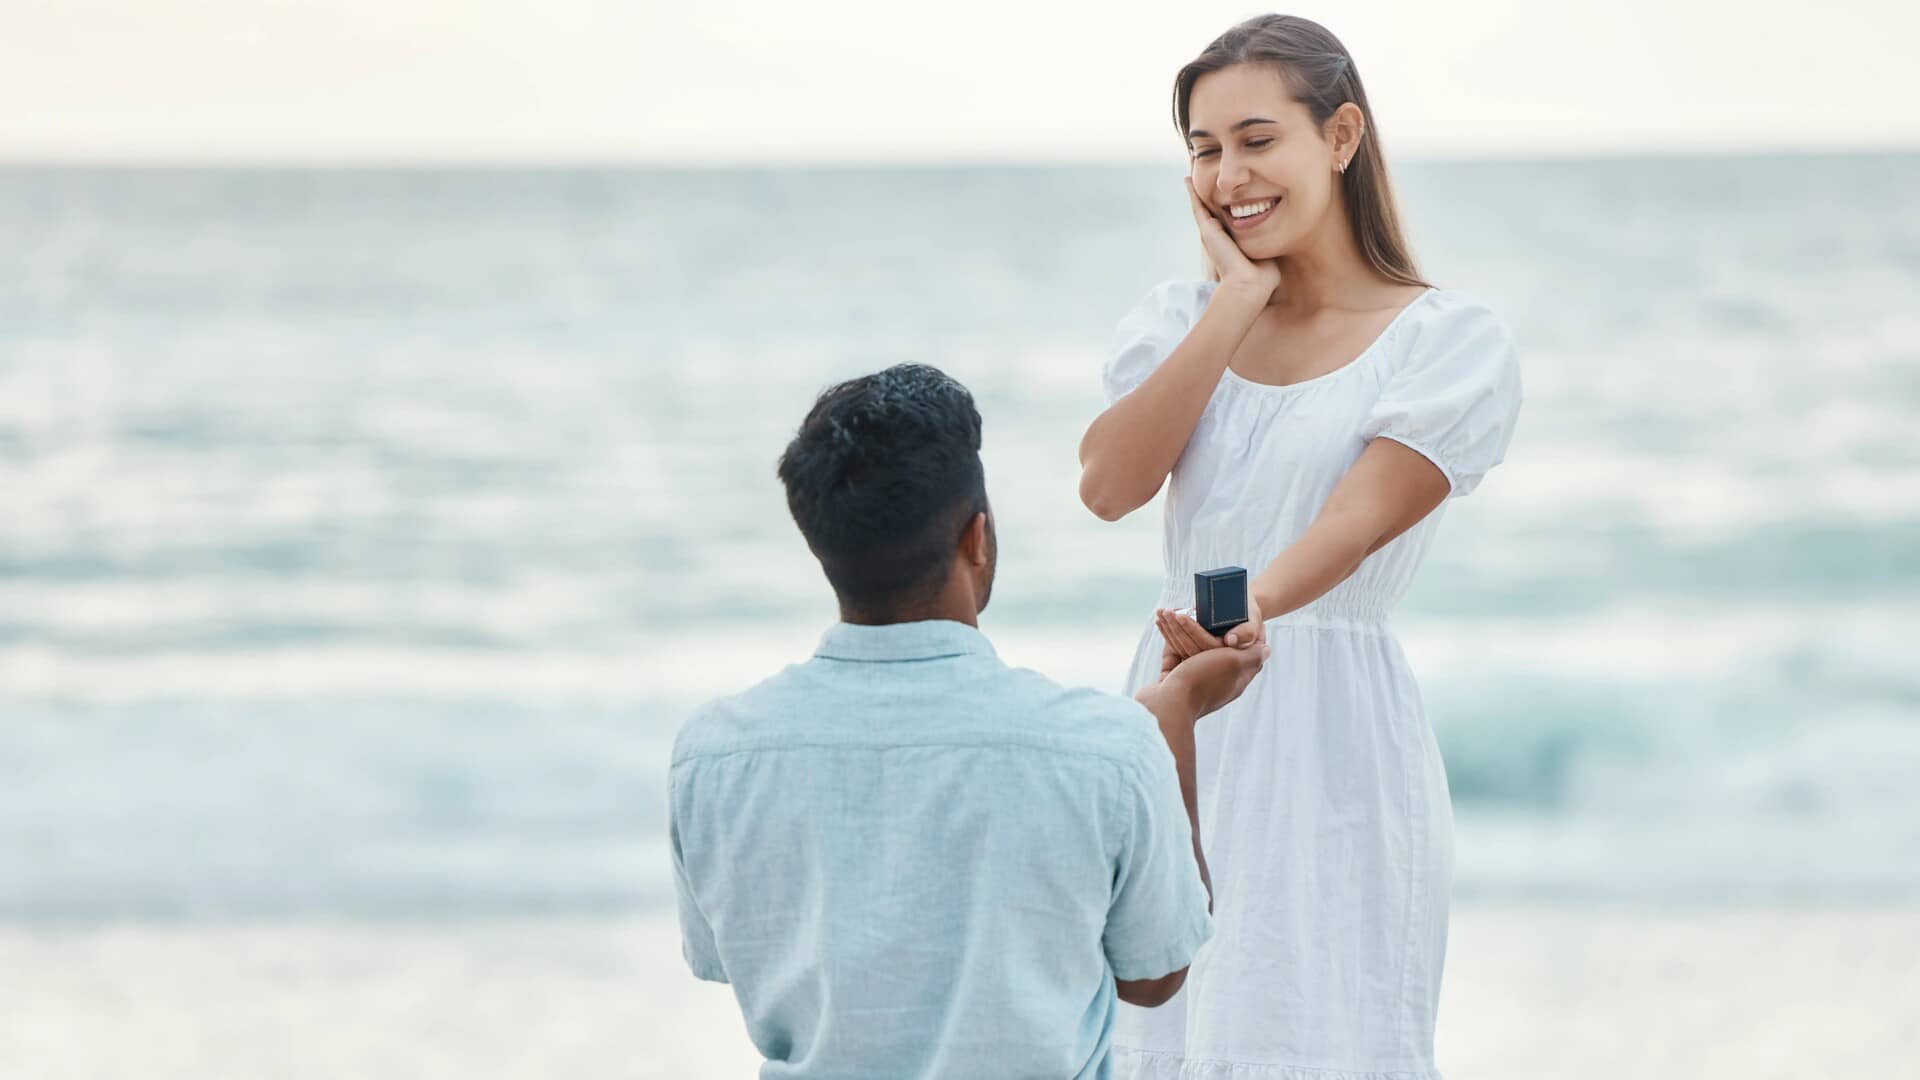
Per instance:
x=1531, y=992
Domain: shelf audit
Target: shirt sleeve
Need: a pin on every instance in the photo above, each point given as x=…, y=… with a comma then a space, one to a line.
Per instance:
x=696, y=934
x=1147, y=335
x=1456, y=398
x=1158, y=916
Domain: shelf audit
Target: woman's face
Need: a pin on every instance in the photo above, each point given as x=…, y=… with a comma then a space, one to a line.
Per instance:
x=1258, y=159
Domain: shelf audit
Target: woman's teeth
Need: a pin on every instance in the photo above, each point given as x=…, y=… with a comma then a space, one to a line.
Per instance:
x=1250, y=209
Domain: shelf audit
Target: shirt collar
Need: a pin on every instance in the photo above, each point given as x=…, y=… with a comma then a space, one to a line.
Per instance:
x=927, y=640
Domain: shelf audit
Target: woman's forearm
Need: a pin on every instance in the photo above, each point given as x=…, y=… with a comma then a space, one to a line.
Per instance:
x=1325, y=555
x=1129, y=449
x=1386, y=492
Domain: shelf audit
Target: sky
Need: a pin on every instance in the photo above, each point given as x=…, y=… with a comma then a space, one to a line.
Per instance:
x=733, y=82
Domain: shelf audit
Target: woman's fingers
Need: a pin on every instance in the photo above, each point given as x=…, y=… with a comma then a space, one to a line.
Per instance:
x=1219, y=244
x=1201, y=215
x=1213, y=234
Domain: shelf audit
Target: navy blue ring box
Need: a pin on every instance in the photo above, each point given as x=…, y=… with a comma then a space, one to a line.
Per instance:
x=1220, y=599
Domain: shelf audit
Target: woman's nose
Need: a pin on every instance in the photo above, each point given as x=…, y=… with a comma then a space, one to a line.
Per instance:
x=1231, y=177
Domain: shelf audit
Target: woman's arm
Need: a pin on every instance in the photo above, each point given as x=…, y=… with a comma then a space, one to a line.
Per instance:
x=1386, y=492
x=1128, y=450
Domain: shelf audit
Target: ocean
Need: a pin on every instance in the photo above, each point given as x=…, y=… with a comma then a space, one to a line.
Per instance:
x=367, y=534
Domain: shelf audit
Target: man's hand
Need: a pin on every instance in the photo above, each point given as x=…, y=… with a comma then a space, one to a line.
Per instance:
x=1212, y=678
x=1182, y=637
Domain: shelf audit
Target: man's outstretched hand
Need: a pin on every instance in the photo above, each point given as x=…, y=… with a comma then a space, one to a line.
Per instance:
x=1211, y=678
x=1182, y=637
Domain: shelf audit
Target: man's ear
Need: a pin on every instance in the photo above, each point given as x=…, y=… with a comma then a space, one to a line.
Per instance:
x=973, y=540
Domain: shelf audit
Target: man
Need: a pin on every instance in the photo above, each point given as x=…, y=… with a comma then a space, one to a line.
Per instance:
x=909, y=859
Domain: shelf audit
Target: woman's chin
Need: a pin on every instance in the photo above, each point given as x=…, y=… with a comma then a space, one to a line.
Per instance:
x=1260, y=248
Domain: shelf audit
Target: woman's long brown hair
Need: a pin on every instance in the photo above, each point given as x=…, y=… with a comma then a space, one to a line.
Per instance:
x=1321, y=74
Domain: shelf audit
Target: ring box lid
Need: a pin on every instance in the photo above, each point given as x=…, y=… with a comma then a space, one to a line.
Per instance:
x=1220, y=598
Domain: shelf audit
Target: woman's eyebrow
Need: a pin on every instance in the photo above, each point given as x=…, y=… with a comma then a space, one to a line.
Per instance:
x=1250, y=121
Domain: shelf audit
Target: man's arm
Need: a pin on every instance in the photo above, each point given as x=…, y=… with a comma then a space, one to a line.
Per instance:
x=1173, y=705
x=1196, y=687
x=696, y=933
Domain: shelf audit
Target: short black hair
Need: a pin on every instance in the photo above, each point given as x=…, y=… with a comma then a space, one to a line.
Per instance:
x=882, y=477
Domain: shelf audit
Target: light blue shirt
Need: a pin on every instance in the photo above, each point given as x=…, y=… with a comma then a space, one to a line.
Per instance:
x=911, y=860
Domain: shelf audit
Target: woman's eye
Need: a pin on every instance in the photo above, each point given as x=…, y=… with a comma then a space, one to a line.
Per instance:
x=1206, y=151
x=1256, y=144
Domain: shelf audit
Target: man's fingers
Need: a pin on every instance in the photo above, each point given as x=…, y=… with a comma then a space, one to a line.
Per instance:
x=1176, y=634
x=1173, y=641
x=1187, y=643
x=1197, y=635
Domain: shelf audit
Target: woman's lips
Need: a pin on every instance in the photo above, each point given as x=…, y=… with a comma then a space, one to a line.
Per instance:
x=1250, y=222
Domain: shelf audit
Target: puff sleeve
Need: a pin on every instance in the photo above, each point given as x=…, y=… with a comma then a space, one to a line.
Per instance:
x=1456, y=396
x=1148, y=334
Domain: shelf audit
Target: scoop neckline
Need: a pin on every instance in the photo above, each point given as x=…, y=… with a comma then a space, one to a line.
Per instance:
x=1378, y=340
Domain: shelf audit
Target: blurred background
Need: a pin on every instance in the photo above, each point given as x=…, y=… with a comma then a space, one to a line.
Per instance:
x=389, y=396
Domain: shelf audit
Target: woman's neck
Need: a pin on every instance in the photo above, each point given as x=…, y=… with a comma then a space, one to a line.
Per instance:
x=1329, y=271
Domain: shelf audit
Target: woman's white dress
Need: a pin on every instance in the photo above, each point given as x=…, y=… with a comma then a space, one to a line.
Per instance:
x=1323, y=802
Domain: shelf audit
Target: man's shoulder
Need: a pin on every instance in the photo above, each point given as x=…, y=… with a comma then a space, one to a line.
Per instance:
x=721, y=725
x=1097, y=722
x=993, y=703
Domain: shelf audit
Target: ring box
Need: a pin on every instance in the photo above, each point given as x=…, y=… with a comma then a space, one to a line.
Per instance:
x=1220, y=599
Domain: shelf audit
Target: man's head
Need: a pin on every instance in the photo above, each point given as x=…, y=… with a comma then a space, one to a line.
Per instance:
x=884, y=480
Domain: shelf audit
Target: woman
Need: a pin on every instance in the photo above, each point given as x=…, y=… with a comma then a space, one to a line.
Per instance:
x=1314, y=405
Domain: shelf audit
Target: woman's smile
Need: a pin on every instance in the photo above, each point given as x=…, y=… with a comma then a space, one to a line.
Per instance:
x=1245, y=215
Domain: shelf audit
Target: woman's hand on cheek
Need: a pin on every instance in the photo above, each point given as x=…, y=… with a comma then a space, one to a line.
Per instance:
x=1235, y=268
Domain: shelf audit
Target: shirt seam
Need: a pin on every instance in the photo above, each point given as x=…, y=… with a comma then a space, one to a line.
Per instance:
x=1134, y=779
x=916, y=659
x=1171, y=958
x=1123, y=758
x=1426, y=450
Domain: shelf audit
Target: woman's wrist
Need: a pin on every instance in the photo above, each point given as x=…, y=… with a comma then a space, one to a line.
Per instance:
x=1262, y=595
x=1248, y=290
x=1241, y=301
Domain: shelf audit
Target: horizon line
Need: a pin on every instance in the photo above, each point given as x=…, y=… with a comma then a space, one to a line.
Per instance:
x=612, y=162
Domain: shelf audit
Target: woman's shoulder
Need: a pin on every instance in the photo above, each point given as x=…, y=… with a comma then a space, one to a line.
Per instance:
x=1452, y=338
x=1444, y=321
x=1177, y=302
x=1444, y=312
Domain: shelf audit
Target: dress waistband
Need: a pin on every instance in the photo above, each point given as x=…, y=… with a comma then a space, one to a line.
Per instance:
x=1315, y=616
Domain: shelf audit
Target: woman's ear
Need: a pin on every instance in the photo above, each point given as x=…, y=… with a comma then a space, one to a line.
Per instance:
x=1344, y=130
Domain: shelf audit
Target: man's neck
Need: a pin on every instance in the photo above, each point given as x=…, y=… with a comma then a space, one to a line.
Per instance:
x=949, y=612
x=955, y=601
